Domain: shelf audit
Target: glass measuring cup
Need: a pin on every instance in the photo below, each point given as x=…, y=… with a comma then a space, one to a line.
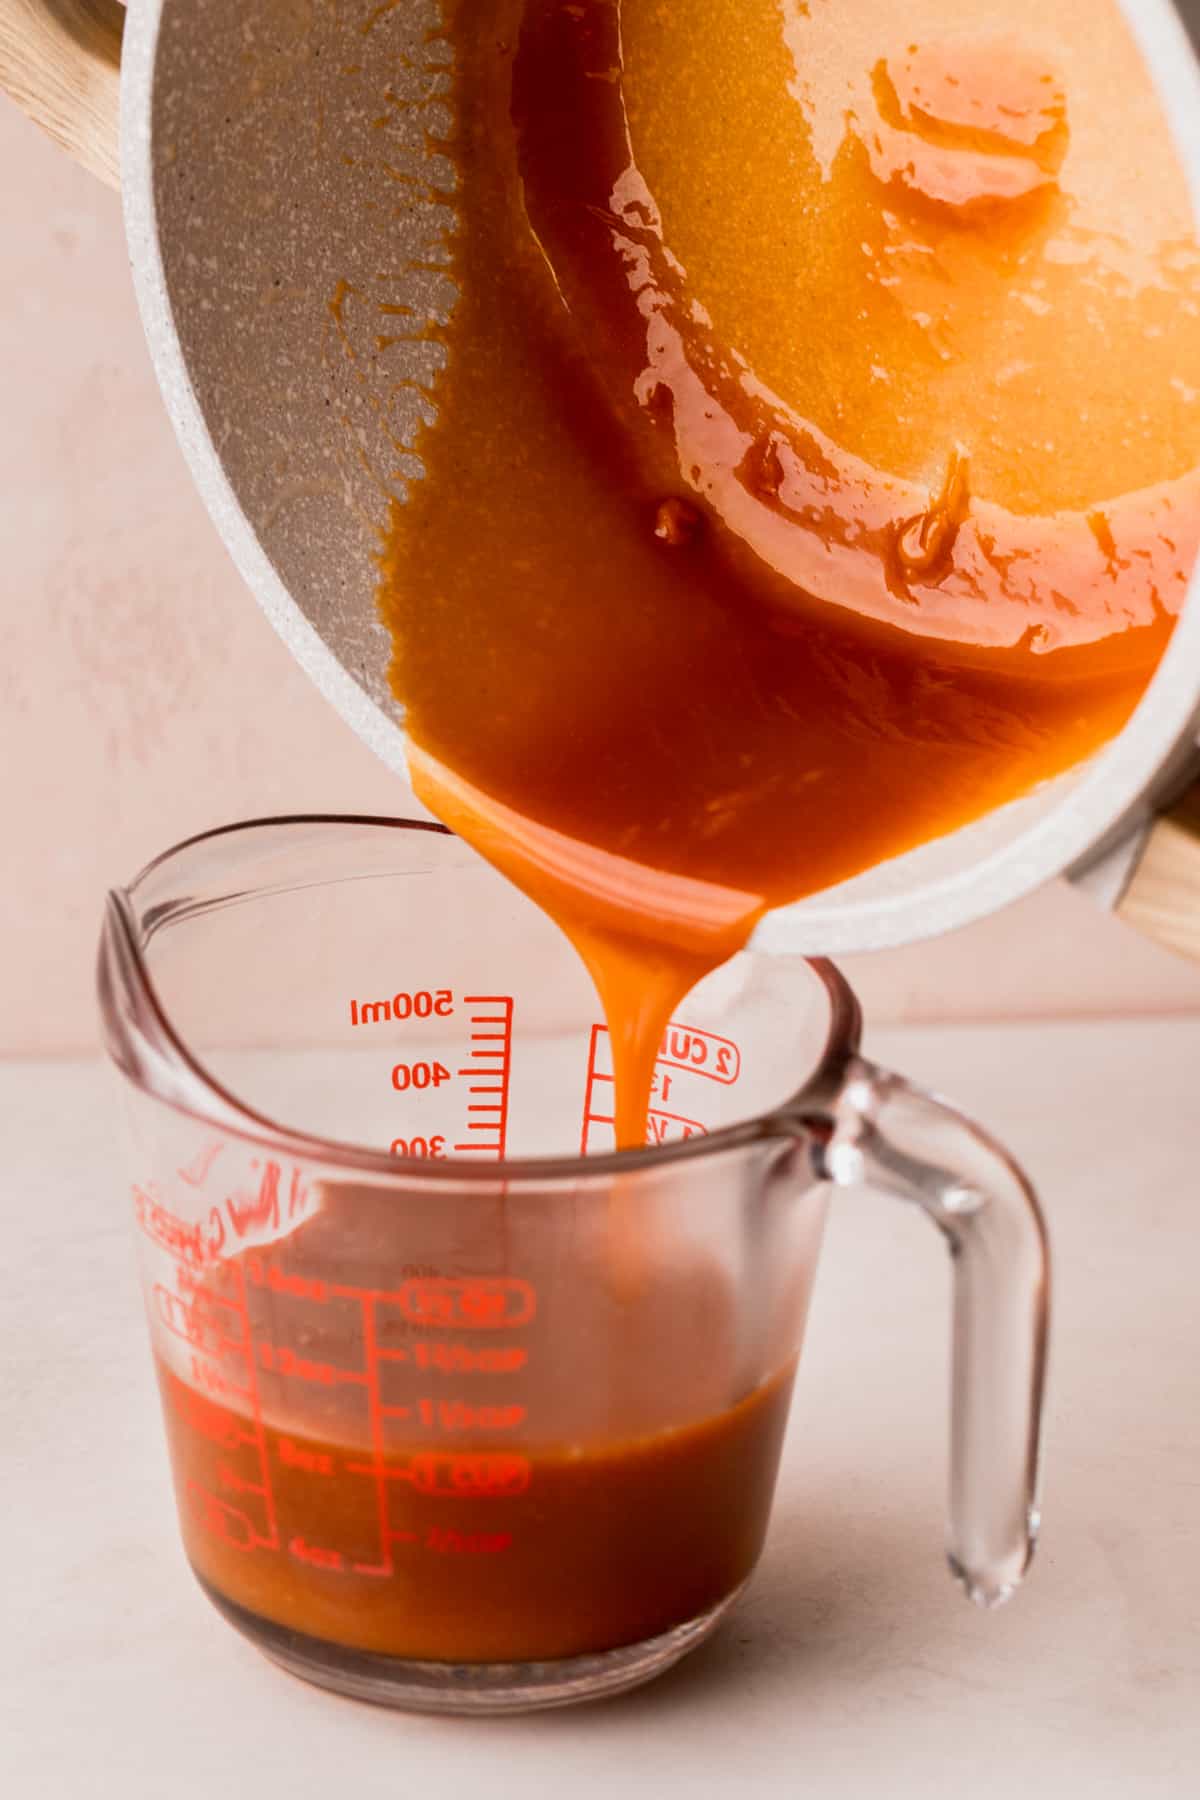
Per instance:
x=466, y=1411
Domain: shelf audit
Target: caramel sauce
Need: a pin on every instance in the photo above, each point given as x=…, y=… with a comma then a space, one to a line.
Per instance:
x=815, y=460
x=814, y=470
x=604, y=1546
x=592, y=1469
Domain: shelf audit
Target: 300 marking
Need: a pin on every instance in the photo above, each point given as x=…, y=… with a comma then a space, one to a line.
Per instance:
x=419, y=1146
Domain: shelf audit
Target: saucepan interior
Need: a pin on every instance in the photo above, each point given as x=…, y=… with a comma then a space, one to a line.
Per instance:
x=291, y=209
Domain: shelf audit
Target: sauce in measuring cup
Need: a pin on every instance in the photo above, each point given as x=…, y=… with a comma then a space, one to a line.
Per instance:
x=815, y=462
x=477, y=1469
x=556, y=1553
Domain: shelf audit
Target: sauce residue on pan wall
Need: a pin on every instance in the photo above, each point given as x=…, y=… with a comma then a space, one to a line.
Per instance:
x=815, y=464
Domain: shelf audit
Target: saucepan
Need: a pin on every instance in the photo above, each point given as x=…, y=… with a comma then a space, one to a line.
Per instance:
x=266, y=231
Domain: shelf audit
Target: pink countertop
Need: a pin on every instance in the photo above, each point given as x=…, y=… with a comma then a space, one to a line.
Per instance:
x=852, y=1667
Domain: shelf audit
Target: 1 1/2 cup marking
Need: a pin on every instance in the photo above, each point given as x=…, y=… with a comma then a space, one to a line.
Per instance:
x=688, y=1064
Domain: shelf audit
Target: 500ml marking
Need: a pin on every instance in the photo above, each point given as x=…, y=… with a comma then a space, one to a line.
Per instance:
x=463, y=1075
x=424, y=1004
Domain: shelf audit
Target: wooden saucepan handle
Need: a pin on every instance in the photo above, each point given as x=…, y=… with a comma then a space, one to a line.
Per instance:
x=1162, y=897
x=60, y=61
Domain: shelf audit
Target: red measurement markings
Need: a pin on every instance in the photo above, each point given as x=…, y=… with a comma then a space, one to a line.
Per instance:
x=661, y=1126
x=700, y=1053
x=377, y=1468
x=448, y=1542
x=189, y=1318
x=318, y=1556
x=232, y=1430
x=460, y=1415
x=467, y=1303
x=667, y=1127
x=299, y=1456
x=229, y=1523
x=207, y=1418
x=269, y=1275
x=684, y=1048
x=457, y=1474
x=236, y=1483
x=212, y=1288
x=461, y=1359
x=181, y=1238
x=486, y=1070
x=464, y=1303
x=236, y=1293
x=589, y=1093
x=423, y=1004
x=209, y=1375
x=281, y=1359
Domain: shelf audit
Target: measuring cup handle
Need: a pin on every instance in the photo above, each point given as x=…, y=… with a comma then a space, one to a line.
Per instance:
x=905, y=1142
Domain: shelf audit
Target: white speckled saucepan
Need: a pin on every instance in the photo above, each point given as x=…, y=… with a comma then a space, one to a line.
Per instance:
x=257, y=216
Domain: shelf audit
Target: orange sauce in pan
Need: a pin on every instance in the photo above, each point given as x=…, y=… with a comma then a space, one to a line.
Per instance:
x=815, y=460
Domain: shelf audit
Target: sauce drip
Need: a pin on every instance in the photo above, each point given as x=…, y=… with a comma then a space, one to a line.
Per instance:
x=815, y=461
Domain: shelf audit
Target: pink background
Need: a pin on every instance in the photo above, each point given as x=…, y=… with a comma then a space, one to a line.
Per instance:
x=144, y=697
